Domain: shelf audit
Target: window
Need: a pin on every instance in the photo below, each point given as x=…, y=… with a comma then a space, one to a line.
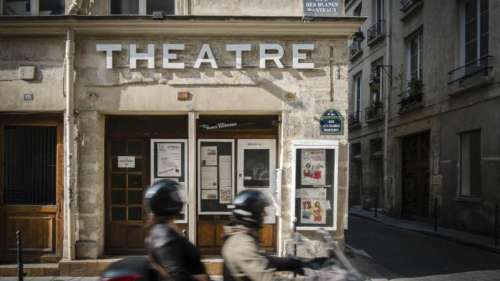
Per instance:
x=376, y=84
x=379, y=10
x=33, y=7
x=470, y=164
x=475, y=30
x=357, y=94
x=142, y=7
x=414, y=45
x=30, y=165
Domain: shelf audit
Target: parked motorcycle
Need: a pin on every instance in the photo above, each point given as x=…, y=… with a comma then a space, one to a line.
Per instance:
x=134, y=268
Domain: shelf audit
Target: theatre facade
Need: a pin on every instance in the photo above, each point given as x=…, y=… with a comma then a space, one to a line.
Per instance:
x=93, y=110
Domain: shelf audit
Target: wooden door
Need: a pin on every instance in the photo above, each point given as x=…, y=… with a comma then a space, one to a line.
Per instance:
x=126, y=182
x=31, y=175
x=415, y=174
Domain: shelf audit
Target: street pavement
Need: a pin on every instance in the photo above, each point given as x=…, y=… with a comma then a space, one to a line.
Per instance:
x=404, y=255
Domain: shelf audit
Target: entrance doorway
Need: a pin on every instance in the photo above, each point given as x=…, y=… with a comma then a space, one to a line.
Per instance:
x=415, y=175
x=31, y=186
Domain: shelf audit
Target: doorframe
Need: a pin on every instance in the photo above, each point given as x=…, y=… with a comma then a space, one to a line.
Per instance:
x=38, y=120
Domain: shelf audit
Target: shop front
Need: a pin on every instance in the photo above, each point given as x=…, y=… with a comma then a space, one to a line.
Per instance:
x=220, y=105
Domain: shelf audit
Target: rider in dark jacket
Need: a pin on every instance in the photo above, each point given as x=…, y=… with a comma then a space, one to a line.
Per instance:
x=172, y=254
x=243, y=258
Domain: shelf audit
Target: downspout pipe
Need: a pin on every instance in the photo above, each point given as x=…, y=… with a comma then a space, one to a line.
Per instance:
x=69, y=148
x=387, y=100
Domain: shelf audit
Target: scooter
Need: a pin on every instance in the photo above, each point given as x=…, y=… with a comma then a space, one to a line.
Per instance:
x=134, y=268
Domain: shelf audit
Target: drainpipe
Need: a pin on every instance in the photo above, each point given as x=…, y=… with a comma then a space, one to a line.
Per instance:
x=388, y=59
x=69, y=154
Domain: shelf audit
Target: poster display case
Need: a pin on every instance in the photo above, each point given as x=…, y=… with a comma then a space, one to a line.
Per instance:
x=169, y=161
x=215, y=176
x=314, y=192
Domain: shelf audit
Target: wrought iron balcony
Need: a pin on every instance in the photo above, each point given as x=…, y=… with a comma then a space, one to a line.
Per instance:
x=412, y=97
x=355, y=50
x=374, y=112
x=376, y=32
x=354, y=119
x=482, y=66
x=406, y=5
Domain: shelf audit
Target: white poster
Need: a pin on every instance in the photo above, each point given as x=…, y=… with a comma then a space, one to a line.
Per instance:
x=225, y=180
x=209, y=156
x=311, y=193
x=209, y=178
x=169, y=160
x=313, y=167
x=209, y=194
x=126, y=161
x=313, y=211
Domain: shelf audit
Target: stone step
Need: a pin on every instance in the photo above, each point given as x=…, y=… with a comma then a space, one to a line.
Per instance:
x=87, y=268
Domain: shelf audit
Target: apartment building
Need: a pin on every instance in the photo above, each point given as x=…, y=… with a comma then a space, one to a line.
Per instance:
x=100, y=98
x=424, y=113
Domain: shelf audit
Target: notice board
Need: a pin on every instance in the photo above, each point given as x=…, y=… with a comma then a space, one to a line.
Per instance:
x=215, y=176
x=315, y=185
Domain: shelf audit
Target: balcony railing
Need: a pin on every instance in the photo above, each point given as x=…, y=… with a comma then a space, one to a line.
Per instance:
x=412, y=97
x=408, y=4
x=481, y=66
x=376, y=31
x=374, y=112
x=355, y=50
x=354, y=119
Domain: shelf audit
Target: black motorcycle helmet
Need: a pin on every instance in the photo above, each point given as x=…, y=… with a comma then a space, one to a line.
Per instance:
x=249, y=208
x=163, y=198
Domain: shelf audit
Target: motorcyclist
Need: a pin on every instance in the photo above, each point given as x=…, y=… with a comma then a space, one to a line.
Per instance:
x=243, y=259
x=174, y=257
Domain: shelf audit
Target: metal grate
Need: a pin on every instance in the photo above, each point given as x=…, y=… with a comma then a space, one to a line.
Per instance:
x=30, y=165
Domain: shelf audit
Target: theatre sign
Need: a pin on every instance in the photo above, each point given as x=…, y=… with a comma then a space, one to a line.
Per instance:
x=267, y=52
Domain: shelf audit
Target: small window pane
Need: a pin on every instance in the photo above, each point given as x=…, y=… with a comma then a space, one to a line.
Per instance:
x=118, y=181
x=135, y=197
x=134, y=213
x=118, y=148
x=134, y=181
x=135, y=148
x=118, y=213
x=16, y=7
x=124, y=7
x=256, y=168
x=118, y=197
x=51, y=7
x=166, y=6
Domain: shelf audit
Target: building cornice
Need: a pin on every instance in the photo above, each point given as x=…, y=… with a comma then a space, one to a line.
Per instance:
x=182, y=26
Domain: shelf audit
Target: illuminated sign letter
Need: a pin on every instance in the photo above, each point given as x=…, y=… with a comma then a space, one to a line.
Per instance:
x=149, y=56
x=109, y=49
x=238, y=49
x=205, y=51
x=276, y=57
x=168, y=56
x=298, y=56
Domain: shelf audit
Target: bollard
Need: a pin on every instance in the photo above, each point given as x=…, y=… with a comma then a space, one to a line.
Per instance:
x=496, y=225
x=435, y=214
x=20, y=270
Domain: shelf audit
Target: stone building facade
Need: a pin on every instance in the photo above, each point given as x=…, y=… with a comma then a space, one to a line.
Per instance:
x=423, y=126
x=108, y=94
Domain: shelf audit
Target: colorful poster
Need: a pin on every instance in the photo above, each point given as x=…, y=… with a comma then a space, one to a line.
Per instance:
x=313, y=211
x=313, y=167
x=208, y=156
x=225, y=181
x=209, y=178
x=209, y=194
x=169, y=160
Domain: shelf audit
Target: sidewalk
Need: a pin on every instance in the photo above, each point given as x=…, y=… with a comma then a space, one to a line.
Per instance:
x=475, y=240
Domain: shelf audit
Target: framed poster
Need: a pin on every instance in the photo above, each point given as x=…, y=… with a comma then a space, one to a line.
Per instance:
x=169, y=161
x=314, y=192
x=216, y=188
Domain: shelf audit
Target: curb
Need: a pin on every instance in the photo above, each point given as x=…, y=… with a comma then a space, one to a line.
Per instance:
x=433, y=234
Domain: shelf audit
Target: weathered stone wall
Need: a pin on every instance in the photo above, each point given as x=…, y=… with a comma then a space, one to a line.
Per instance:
x=47, y=55
x=300, y=96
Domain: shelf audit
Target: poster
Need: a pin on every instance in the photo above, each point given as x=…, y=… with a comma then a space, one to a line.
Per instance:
x=210, y=194
x=225, y=181
x=209, y=178
x=169, y=160
x=313, y=167
x=209, y=155
x=311, y=193
x=313, y=211
x=126, y=161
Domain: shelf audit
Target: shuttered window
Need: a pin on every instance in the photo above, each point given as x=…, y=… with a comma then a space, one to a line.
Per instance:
x=30, y=165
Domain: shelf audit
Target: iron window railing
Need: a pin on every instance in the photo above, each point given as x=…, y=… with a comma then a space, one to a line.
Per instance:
x=355, y=49
x=481, y=66
x=412, y=97
x=374, y=112
x=408, y=4
x=376, y=31
x=354, y=118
